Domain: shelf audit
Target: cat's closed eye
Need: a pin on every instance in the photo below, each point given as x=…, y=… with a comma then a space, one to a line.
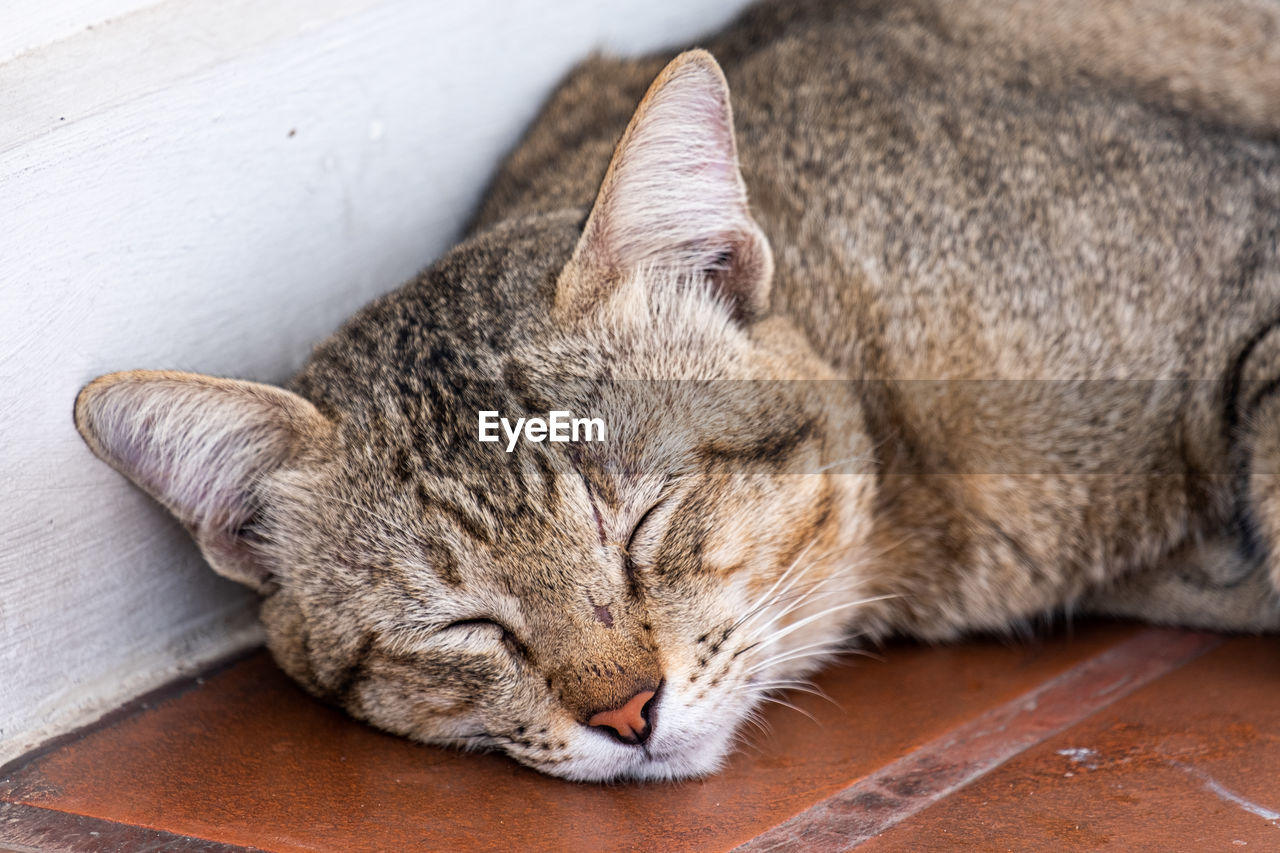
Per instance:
x=644, y=533
x=485, y=628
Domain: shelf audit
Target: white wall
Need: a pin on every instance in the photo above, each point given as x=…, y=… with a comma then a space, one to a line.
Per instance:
x=31, y=24
x=214, y=187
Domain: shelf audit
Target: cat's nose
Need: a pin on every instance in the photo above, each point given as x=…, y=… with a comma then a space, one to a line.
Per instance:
x=631, y=723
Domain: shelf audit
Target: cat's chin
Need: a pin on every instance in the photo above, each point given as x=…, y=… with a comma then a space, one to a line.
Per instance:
x=641, y=768
x=662, y=761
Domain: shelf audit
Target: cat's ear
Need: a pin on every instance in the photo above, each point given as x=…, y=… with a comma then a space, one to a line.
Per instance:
x=673, y=201
x=200, y=446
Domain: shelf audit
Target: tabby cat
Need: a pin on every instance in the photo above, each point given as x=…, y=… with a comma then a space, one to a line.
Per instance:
x=966, y=313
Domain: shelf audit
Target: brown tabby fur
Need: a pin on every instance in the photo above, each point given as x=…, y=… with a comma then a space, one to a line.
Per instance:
x=1030, y=254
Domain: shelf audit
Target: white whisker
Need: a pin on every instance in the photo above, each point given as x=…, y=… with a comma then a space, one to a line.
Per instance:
x=799, y=685
x=764, y=600
x=809, y=597
x=860, y=458
x=795, y=626
x=863, y=560
x=784, y=703
x=821, y=644
x=788, y=658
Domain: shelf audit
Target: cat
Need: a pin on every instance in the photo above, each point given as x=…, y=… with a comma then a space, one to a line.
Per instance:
x=962, y=314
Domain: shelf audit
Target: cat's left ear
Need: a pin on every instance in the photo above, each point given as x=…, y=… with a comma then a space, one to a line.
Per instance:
x=673, y=201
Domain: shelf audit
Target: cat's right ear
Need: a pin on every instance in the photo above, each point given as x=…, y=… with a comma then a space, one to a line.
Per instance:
x=200, y=446
x=673, y=201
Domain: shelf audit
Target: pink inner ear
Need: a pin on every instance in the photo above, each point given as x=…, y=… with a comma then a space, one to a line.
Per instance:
x=673, y=201
x=200, y=446
x=197, y=445
x=674, y=194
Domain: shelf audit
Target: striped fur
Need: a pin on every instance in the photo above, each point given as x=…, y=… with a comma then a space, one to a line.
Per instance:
x=961, y=317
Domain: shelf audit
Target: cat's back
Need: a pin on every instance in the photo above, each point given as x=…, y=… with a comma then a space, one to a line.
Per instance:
x=994, y=191
x=949, y=194
x=979, y=208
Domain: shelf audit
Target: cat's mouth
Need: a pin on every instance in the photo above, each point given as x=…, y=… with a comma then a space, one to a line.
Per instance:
x=669, y=755
x=661, y=756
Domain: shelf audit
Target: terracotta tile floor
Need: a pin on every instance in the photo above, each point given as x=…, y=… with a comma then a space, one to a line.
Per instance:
x=1116, y=736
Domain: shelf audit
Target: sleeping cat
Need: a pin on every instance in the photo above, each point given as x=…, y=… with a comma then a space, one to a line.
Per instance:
x=964, y=314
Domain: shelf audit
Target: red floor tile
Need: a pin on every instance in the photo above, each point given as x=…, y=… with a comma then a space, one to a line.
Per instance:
x=1191, y=762
x=248, y=759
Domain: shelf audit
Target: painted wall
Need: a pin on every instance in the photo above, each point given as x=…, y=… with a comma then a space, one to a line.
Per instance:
x=214, y=187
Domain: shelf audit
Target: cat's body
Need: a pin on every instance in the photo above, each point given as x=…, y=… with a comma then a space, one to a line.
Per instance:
x=932, y=227
x=1038, y=291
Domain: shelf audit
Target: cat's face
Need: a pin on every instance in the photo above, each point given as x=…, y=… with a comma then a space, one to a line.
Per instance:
x=597, y=610
x=458, y=593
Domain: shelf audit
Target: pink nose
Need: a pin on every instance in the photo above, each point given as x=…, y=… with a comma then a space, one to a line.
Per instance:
x=630, y=723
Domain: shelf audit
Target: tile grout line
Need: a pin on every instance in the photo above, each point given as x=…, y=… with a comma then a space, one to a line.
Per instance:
x=26, y=827
x=937, y=769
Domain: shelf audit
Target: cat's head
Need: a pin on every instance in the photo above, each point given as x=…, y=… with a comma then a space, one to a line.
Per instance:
x=599, y=609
